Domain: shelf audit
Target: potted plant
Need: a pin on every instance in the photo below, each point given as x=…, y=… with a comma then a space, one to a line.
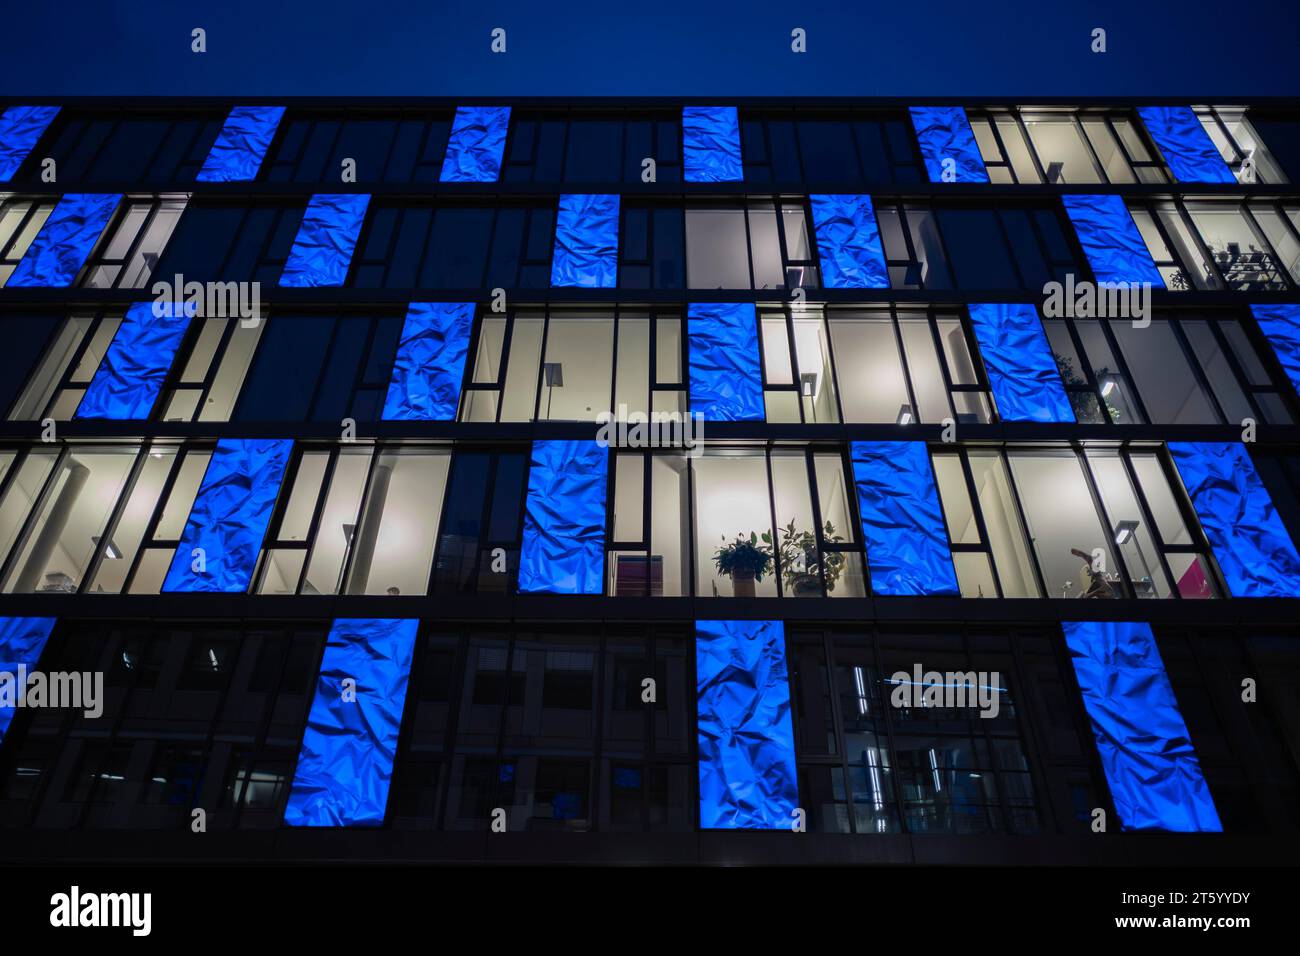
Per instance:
x=801, y=570
x=744, y=561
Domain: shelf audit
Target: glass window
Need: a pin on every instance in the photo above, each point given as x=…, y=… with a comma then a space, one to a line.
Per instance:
x=576, y=373
x=1280, y=225
x=1170, y=390
x=127, y=536
x=20, y=222
x=939, y=380
x=1240, y=252
x=393, y=542
x=336, y=528
x=66, y=529
x=873, y=387
x=760, y=246
x=1061, y=149
x=716, y=249
x=670, y=531
x=213, y=362
x=1007, y=538
x=733, y=525
x=70, y=343
x=1129, y=532
x=716, y=498
x=1073, y=549
x=135, y=243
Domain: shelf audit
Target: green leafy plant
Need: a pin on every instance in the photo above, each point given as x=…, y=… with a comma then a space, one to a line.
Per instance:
x=744, y=557
x=800, y=568
x=1083, y=403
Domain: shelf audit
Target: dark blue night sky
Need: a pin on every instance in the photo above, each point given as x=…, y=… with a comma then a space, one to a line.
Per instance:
x=672, y=48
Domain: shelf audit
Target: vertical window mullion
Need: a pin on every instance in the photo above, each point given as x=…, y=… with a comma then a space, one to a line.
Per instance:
x=1145, y=508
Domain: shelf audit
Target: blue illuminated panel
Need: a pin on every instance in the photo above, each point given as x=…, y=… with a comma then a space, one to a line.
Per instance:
x=726, y=379
x=21, y=641
x=748, y=779
x=1111, y=240
x=240, y=147
x=902, y=523
x=586, y=242
x=59, y=250
x=21, y=128
x=1254, y=551
x=322, y=250
x=229, y=516
x=1186, y=146
x=128, y=381
x=564, y=519
x=944, y=133
x=1146, y=752
x=1281, y=325
x=345, y=766
x=711, y=144
x=848, y=242
x=1023, y=374
x=430, y=362
x=476, y=145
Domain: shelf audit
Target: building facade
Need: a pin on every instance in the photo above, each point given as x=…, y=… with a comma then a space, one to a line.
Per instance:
x=783, y=482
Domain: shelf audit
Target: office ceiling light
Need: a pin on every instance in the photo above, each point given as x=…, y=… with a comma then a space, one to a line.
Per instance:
x=1124, y=530
x=905, y=415
x=111, y=552
x=808, y=384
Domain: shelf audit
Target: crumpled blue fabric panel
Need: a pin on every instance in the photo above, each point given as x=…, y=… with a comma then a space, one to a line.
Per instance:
x=563, y=549
x=1254, y=551
x=430, y=364
x=748, y=777
x=129, y=379
x=711, y=144
x=60, y=249
x=1281, y=326
x=230, y=514
x=586, y=241
x=1111, y=240
x=345, y=766
x=21, y=641
x=327, y=237
x=1146, y=752
x=1188, y=150
x=848, y=242
x=476, y=145
x=902, y=521
x=1023, y=374
x=726, y=378
x=944, y=133
x=240, y=147
x=21, y=128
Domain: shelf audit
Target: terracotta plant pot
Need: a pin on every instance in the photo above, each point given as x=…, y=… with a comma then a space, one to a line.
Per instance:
x=742, y=585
